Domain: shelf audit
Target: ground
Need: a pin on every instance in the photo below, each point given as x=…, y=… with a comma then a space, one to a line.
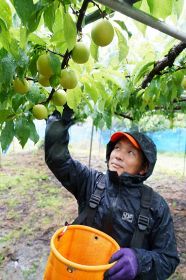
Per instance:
x=33, y=206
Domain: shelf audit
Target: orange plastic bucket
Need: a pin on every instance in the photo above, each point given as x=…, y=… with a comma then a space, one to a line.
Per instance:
x=79, y=252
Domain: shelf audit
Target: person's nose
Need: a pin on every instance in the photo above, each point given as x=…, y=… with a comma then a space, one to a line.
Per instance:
x=118, y=156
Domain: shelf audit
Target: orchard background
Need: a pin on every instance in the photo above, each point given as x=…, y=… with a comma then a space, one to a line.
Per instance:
x=137, y=80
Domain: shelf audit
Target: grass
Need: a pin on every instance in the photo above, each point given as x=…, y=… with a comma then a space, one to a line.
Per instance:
x=171, y=164
x=177, y=276
x=31, y=271
x=1, y=259
x=26, y=189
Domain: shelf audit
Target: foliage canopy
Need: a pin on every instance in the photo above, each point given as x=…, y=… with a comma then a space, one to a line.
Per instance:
x=140, y=72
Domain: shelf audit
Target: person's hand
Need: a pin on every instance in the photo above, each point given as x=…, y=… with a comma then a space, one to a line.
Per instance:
x=126, y=267
x=65, y=117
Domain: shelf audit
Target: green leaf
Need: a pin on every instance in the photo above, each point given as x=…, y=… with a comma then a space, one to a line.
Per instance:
x=4, y=114
x=22, y=131
x=34, y=38
x=178, y=7
x=55, y=64
x=32, y=66
x=7, y=68
x=49, y=16
x=66, y=2
x=17, y=100
x=142, y=70
x=58, y=23
x=22, y=61
x=91, y=91
x=33, y=132
x=97, y=119
x=145, y=8
x=152, y=89
x=35, y=96
x=59, y=40
x=122, y=45
x=125, y=100
x=5, y=13
x=137, y=4
x=23, y=37
x=94, y=50
x=100, y=88
x=24, y=9
x=70, y=31
x=54, y=81
x=108, y=119
x=101, y=105
x=174, y=91
x=74, y=97
x=14, y=47
x=4, y=35
x=160, y=10
x=58, y=36
x=29, y=13
x=7, y=135
x=123, y=26
x=34, y=20
x=109, y=76
x=89, y=104
x=177, y=77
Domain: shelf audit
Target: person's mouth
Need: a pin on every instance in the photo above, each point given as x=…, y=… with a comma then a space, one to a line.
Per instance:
x=116, y=165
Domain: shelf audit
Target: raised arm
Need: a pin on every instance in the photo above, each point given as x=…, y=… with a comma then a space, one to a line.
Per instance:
x=72, y=174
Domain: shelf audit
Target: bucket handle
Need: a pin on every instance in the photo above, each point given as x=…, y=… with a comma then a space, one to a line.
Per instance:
x=63, y=232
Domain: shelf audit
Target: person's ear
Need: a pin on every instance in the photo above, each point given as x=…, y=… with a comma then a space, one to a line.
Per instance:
x=143, y=170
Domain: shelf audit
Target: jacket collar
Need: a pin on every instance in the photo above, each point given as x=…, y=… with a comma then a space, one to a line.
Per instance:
x=126, y=179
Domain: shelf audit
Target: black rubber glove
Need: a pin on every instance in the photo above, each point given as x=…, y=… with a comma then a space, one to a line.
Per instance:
x=66, y=117
x=57, y=127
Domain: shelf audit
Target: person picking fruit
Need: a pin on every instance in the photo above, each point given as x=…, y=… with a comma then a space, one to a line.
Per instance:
x=118, y=202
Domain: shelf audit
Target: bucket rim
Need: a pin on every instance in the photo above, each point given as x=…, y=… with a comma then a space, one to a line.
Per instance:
x=77, y=265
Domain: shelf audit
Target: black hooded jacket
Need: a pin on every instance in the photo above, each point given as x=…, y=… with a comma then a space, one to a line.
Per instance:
x=121, y=196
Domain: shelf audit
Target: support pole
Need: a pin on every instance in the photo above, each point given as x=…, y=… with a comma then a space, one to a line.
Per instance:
x=91, y=141
x=184, y=161
x=130, y=11
x=0, y=159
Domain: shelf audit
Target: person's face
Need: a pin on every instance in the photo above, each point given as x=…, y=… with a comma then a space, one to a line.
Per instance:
x=126, y=158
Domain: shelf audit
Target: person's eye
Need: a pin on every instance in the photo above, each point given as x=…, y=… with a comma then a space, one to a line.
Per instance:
x=116, y=147
x=131, y=153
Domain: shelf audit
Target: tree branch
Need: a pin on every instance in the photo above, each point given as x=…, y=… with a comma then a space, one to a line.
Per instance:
x=95, y=16
x=175, y=69
x=167, y=61
x=124, y=116
x=67, y=55
x=49, y=97
x=81, y=15
x=177, y=107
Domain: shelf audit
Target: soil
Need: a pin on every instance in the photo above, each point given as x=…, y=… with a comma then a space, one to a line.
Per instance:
x=25, y=238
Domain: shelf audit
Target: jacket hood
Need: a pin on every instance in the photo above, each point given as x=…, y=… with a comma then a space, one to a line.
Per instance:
x=149, y=150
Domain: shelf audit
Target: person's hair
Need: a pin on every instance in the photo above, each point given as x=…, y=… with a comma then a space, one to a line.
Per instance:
x=145, y=162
